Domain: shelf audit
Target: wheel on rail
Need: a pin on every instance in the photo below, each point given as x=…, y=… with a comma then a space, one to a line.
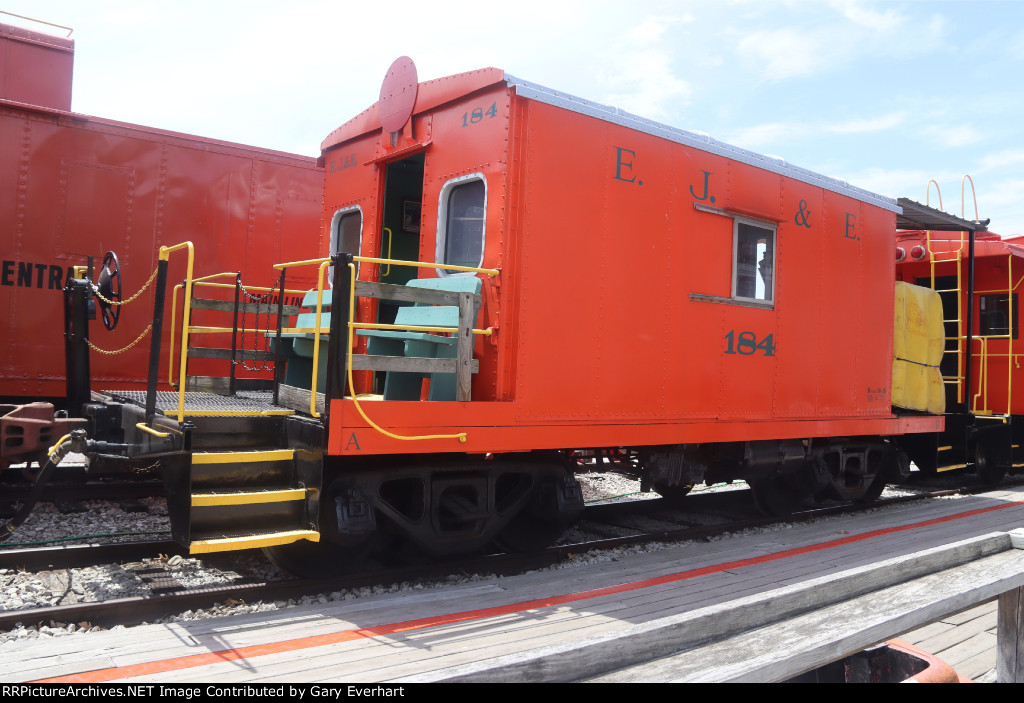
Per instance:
x=985, y=466
x=673, y=494
x=777, y=495
x=557, y=501
x=873, y=491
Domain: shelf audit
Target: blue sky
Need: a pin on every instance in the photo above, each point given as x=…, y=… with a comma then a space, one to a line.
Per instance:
x=885, y=95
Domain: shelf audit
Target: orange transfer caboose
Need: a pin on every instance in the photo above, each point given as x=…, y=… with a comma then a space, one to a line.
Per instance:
x=520, y=275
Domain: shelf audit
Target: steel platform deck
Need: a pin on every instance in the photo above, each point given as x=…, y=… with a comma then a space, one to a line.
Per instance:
x=200, y=402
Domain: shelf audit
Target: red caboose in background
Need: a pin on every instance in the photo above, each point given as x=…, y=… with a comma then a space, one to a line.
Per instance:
x=978, y=276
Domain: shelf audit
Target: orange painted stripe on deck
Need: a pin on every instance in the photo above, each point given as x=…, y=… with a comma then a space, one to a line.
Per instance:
x=195, y=660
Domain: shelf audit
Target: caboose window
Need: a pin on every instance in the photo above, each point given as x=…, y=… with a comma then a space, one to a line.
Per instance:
x=996, y=314
x=460, y=232
x=346, y=234
x=753, y=273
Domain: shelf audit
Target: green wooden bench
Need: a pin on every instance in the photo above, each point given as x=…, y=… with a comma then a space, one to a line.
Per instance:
x=403, y=385
x=297, y=347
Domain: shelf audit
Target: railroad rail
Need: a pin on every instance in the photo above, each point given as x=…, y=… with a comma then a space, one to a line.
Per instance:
x=169, y=602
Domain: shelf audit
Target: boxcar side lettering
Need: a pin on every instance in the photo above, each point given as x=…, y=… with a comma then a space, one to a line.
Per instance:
x=20, y=274
x=619, y=163
x=706, y=194
x=851, y=222
x=746, y=344
x=803, y=215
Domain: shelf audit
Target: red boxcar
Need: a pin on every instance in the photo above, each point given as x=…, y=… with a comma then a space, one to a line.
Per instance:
x=77, y=186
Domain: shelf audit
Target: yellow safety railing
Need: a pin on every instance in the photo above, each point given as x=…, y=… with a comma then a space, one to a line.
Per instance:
x=461, y=436
x=187, y=329
x=980, y=400
x=165, y=253
x=322, y=265
x=205, y=281
x=422, y=264
x=316, y=330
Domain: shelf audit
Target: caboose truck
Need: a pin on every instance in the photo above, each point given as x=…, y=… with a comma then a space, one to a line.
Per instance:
x=515, y=274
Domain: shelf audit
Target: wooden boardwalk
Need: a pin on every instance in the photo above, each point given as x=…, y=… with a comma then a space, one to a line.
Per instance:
x=436, y=633
x=966, y=641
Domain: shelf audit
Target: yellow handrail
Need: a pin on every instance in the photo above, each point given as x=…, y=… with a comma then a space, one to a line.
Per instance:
x=174, y=316
x=186, y=313
x=316, y=337
x=200, y=329
x=351, y=384
x=323, y=263
x=149, y=430
x=205, y=281
x=261, y=289
x=399, y=262
x=984, y=355
x=210, y=277
x=416, y=328
x=422, y=264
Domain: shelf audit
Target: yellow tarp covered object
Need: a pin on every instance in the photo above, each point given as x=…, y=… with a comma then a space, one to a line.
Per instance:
x=918, y=345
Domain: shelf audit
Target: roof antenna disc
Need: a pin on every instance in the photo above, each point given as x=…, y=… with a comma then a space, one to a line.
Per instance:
x=398, y=94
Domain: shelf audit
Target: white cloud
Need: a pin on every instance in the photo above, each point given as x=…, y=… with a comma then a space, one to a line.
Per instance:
x=641, y=78
x=817, y=38
x=874, y=124
x=877, y=21
x=910, y=183
x=1003, y=201
x=789, y=52
x=952, y=135
x=772, y=134
x=1000, y=159
x=762, y=136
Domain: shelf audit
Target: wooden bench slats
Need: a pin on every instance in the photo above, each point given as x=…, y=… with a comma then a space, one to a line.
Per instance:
x=220, y=353
x=229, y=306
x=408, y=294
x=418, y=364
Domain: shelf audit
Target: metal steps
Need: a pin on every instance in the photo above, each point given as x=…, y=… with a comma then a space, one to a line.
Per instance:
x=243, y=497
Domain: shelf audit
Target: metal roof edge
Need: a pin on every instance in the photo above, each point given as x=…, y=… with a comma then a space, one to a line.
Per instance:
x=918, y=216
x=697, y=140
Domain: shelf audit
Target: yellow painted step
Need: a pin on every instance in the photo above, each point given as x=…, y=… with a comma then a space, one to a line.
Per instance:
x=248, y=497
x=227, y=544
x=240, y=457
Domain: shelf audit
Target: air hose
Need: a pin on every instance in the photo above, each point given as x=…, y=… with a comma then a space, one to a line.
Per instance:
x=56, y=454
